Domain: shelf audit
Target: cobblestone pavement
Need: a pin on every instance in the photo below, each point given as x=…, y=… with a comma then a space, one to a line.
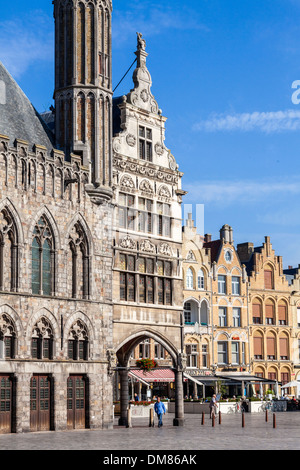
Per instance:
x=257, y=434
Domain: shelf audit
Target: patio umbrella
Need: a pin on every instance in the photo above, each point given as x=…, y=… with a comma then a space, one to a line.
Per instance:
x=294, y=383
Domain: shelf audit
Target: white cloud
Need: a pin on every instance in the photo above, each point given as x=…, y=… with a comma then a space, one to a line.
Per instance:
x=240, y=192
x=266, y=122
x=26, y=40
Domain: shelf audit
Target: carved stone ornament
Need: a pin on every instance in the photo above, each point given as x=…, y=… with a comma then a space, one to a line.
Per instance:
x=144, y=96
x=147, y=247
x=127, y=182
x=146, y=187
x=159, y=149
x=112, y=361
x=131, y=140
x=164, y=192
x=128, y=243
x=165, y=249
x=190, y=256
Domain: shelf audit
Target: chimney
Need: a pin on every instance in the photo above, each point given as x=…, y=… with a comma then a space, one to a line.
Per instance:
x=207, y=238
x=245, y=251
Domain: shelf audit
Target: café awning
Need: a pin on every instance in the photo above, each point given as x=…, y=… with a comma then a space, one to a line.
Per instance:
x=154, y=376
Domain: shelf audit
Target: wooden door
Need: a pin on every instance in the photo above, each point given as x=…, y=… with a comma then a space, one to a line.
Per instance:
x=40, y=403
x=5, y=404
x=76, y=402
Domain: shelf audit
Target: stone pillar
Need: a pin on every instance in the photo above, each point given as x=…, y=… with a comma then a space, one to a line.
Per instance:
x=124, y=397
x=179, y=403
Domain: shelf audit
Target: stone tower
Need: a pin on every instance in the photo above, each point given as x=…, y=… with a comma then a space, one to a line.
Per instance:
x=83, y=87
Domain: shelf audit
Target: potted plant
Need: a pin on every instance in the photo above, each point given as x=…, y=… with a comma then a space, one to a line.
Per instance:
x=146, y=364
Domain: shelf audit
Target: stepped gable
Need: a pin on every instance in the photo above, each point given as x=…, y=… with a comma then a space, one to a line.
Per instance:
x=18, y=118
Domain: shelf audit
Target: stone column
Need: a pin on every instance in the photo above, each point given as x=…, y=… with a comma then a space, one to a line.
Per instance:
x=124, y=397
x=179, y=403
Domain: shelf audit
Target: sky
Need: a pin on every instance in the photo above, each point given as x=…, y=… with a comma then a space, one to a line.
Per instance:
x=226, y=74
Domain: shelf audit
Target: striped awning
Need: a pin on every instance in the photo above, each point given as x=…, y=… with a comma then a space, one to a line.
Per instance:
x=153, y=376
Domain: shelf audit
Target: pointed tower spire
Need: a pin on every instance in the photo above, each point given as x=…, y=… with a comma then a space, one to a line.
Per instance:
x=83, y=85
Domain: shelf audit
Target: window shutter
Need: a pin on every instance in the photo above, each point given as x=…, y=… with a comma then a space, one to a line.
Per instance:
x=270, y=311
x=271, y=346
x=257, y=346
x=256, y=310
x=268, y=280
x=282, y=312
x=283, y=345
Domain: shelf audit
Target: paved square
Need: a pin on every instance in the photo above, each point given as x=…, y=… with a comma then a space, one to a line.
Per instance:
x=257, y=434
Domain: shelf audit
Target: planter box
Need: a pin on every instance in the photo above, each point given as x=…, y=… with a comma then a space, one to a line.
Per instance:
x=140, y=411
x=191, y=407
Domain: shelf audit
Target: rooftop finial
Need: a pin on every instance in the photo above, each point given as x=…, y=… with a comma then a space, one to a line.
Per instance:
x=141, y=43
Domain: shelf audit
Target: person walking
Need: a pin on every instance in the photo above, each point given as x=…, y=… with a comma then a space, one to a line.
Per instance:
x=213, y=406
x=160, y=410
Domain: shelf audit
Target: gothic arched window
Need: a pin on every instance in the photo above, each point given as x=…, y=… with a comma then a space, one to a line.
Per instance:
x=79, y=258
x=8, y=252
x=42, y=340
x=43, y=259
x=7, y=337
x=78, y=342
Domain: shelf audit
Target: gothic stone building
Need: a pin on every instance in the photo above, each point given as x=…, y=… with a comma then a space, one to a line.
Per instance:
x=72, y=304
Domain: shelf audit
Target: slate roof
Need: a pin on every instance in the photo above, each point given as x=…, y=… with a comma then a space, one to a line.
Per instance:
x=18, y=117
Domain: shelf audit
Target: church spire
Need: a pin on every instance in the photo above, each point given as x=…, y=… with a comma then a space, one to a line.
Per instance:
x=83, y=84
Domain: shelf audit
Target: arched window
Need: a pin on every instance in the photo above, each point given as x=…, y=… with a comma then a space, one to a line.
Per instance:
x=42, y=340
x=78, y=342
x=190, y=279
x=200, y=279
x=8, y=252
x=79, y=256
x=7, y=337
x=43, y=259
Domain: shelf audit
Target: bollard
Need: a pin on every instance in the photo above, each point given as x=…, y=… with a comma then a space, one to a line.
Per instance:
x=220, y=417
x=274, y=421
x=213, y=420
x=151, y=418
x=202, y=422
x=266, y=416
x=129, y=424
x=243, y=419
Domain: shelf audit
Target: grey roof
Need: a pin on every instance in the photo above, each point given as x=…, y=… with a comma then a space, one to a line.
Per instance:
x=18, y=118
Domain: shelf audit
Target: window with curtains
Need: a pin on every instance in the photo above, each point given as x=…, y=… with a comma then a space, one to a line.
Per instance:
x=200, y=279
x=204, y=355
x=236, y=314
x=221, y=284
x=78, y=342
x=258, y=347
x=190, y=279
x=222, y=316
x=164, y=223
x=42, y=259
x=268, y=276
x=222, y=352
x=284, y=348
x=144, y=349
x=79, y=263
x=236, y=285
x=192, y=355
x=235, y=356
x=282, y=314
x=271, y=347
x=257, y=313
x=42, y=340
x=145, y=215
x=8, y=252
x=270, y=313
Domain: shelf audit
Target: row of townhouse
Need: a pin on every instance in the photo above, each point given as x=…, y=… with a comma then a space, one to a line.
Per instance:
x=241, y=312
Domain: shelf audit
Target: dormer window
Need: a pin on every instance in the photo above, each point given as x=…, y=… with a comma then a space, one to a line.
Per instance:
x=145, y=144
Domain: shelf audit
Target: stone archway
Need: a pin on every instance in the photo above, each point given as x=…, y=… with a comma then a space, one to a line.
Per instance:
x=123, y=353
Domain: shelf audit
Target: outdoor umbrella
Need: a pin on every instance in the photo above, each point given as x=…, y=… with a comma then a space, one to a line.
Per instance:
x=294, y=383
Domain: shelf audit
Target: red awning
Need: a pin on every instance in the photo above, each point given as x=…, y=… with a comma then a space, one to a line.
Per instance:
x=156, y=375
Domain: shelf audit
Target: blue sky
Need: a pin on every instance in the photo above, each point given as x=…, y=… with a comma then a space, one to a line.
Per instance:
x=222, y=73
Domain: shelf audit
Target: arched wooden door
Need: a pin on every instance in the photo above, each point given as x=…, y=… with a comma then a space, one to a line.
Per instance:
x=5, y=404
x=77, y=402
x=40, y=403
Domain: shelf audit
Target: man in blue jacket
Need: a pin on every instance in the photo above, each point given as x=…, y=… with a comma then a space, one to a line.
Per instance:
x=159, y=409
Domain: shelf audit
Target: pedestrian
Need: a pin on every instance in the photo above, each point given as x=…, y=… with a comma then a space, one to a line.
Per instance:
x=160, y=410
x=136, y=397
x=213, y=405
